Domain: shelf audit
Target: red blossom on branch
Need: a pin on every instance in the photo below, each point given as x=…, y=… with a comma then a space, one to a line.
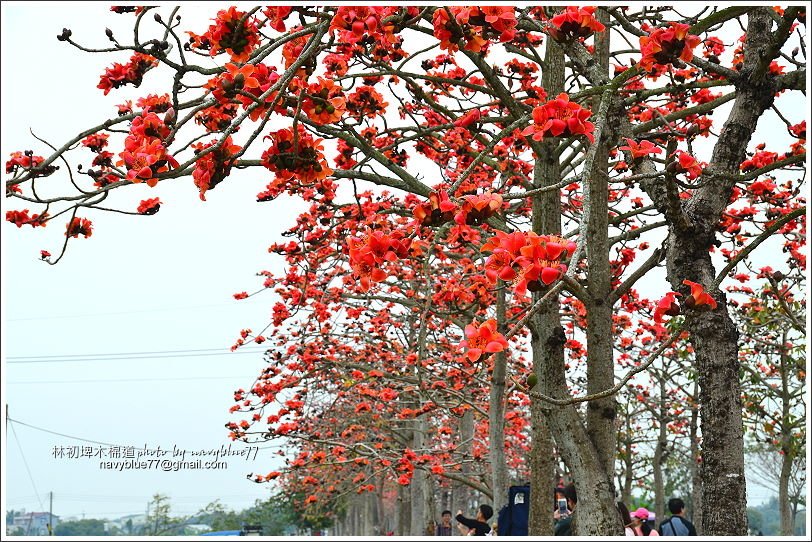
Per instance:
x=667, y=306
x=575, y=22
x=560, y=118
x=149, y=206
x=79, y=226
x=699, y=298
x=483, y=339
x=665, y=45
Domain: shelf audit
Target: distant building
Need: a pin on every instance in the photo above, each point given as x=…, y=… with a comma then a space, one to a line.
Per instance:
x=35, y=523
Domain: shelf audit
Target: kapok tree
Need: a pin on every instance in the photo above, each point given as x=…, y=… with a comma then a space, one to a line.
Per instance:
x=566, y=150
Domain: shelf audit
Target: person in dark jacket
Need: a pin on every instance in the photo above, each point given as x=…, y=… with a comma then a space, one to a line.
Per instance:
x=677, y=525
x=563, y=523
x=480, y=524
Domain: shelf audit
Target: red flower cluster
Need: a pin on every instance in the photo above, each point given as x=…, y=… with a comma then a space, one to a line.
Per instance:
x=213, y=167
x=353, y=23
x=21, y=218
x=144, y=153
x=365, y=101
x=96, y=142
x=438, y=210
x=560, y=118
x=476, y=25
x=532, y=262
x=369, y=252
x=132, y=73
x=149, y=206
x=79, y=226
x=251, y=79
x=27, y=160
x=575, y=22
x=482, y=339
x=154, y=103
x=478, y=208
x=665, y=45
x=468, y=119
x=759, y=160
x=296, y=156
x=230, y=34
x=324, y=102
x=699, y=299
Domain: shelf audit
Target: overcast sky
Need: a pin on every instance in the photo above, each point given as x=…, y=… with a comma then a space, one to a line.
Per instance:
x=161, y=284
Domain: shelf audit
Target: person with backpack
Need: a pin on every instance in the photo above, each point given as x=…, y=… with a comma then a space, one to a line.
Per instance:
x=677, y=525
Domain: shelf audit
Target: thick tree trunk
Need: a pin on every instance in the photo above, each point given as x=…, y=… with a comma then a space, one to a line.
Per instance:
x=628, y=463
x=496, y=415
x=788, y=455
x=542, y=471
x=596, y=513
x=713, y=334
x=600, y=414
x=784, y=504
x=659, y=450
x=404, y=511
x=417, y=487
x=695, y=510
x=546, y=220
x=368, y=525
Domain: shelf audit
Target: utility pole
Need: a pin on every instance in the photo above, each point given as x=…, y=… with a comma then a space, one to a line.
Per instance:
x=51, y=515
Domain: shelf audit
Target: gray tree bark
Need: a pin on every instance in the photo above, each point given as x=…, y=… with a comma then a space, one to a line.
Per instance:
x=496, y=414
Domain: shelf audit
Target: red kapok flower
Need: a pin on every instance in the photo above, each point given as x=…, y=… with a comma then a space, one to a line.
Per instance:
x=699, y=298
x=79, y=226
x=667, y=306
x=639, y=150
x=579, y=22
x=481, y=339
x=688, y=165
x=476, y=209
x=468, y=119
x=149, y=206
x=560, y=118
x=438, y=210
x=324, y=102
x=665, y=45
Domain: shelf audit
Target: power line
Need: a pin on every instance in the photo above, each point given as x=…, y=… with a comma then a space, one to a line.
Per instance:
x=13, y=421
x=71, y=316
x=118, y=357
x=25, y=462
x=127, y=380
x=125, y=353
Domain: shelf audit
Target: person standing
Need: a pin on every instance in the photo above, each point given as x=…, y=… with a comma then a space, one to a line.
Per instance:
x=677, y=524
x=640, y=524
x=563, y=522
x=444, y=527
x=626, y=518
x=479, y=526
